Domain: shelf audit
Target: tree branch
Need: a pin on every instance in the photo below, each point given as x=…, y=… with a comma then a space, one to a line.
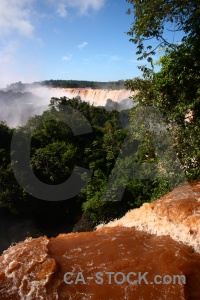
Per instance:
x=167, y=43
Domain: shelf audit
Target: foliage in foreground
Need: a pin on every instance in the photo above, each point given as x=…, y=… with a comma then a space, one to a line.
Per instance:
x=132, y=165
x=175, y=89
x=108, y=149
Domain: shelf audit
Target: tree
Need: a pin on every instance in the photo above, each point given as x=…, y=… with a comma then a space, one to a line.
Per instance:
x=175, y=89
x=153, y=18
x=55, y=162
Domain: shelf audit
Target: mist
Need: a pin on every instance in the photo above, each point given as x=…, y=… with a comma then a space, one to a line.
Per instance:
x=19, y=102
x=17, y=105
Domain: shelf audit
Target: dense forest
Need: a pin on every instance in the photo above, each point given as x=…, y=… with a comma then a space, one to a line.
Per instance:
x=111, y=85
x=134, y=156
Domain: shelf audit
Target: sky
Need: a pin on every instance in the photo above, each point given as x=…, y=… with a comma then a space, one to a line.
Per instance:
x=65, y=39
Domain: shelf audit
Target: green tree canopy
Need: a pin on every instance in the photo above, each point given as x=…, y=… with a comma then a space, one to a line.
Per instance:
x=153, y=18
x=175, y=89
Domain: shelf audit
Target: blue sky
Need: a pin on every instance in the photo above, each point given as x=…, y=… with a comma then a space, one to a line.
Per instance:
x=65, y=39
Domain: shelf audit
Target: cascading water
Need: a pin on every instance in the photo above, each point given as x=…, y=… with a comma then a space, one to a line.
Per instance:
x=17, y=107
x=151, y=253
x=99, y=96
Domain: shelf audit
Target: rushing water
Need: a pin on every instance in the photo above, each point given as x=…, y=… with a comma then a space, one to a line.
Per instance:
x=17, y=107
x=36, y=269
x=99, y=96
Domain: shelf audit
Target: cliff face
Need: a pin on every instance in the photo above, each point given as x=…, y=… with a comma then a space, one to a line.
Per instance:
x=135, y=249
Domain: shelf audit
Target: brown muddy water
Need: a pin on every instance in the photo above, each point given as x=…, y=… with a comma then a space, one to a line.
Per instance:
x=151, y=253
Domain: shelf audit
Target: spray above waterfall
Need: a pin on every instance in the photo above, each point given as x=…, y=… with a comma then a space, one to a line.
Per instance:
x=18, y=102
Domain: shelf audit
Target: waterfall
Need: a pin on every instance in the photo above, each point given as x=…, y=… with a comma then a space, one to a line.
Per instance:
x=98, y=96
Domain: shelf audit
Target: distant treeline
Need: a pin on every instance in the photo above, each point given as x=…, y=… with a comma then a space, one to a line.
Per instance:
x=110, y=85
x=113, y=85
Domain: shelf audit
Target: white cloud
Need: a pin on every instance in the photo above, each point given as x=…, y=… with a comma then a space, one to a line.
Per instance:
x=67, y=57
x=62, y=10
x=82, y=45
x=15, y=16
x=83, y=6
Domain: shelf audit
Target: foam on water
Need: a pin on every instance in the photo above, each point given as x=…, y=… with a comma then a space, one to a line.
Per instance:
x=177, y=214
x=155, y=238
